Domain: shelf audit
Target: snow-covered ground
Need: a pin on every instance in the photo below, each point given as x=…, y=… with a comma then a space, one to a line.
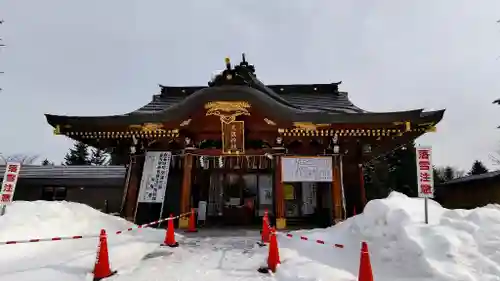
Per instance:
x=457, y=245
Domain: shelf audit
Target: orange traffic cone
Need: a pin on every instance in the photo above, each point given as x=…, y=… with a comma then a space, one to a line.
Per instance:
x=273, y=258
x=169, y=234
x=265, y=229
x=365, y=266
x=192, y=222
x=102, y=268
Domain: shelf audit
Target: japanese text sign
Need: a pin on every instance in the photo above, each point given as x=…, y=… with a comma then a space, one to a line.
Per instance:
x=233, y=137
x=154, y=177
x=425, y=178
x=9, y=182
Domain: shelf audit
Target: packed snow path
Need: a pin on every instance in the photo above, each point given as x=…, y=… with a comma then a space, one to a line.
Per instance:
x=207, y=255
x=456, y=245
x=225, y=255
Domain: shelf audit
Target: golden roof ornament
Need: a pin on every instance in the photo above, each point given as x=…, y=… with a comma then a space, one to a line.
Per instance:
x=148, y=127
x=227, y=110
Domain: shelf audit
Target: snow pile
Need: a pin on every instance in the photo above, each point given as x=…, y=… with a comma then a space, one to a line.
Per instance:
x=455, y=245
x=65, y=260
x=37, y=219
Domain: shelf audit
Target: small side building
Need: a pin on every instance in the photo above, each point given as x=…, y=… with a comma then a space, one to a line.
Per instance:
x=100, y=187
x=470, y=191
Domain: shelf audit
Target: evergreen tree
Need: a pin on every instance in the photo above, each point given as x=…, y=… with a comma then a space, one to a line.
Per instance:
x=118, y=157
x=478, y=168
x=449, y=173
x=78, y=155
x=376, y=179
x=403, y=170
x=437, y=175
x=98, y=157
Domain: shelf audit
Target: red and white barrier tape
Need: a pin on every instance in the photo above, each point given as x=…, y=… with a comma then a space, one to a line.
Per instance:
x=317, y=241
x=88, y=236
x=304, y=238
x=48, y=239
x=151, y=223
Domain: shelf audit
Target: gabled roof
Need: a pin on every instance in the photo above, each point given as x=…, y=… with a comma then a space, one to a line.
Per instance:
x=317, y=103
x=309, y=97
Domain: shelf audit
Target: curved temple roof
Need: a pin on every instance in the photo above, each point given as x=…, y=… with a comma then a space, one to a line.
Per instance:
x=317, y=103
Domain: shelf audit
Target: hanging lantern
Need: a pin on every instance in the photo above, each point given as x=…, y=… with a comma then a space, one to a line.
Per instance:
x=336, y=149
x=279, y=141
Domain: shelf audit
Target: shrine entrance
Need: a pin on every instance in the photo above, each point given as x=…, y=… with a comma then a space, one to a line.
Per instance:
x=234, y=198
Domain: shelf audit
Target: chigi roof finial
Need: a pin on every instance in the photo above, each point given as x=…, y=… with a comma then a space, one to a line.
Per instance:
x=243, y=60
x=244, y=63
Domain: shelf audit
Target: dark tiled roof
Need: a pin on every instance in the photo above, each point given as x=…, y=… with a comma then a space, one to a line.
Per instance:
x=71, y=172
x=316, y=103
x=465, y=179
x=308, y=97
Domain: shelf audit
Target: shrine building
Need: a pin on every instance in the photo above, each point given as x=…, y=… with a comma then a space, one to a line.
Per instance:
x=238, y=147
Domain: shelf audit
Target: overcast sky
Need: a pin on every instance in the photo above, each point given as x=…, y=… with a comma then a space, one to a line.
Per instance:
x=107, y=57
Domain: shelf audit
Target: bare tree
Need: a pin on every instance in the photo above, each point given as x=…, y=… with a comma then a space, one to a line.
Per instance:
x=20, y=158
x=447, y=173
x=495, y=158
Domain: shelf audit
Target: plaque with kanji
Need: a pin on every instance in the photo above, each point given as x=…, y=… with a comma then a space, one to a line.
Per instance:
x=233, y=137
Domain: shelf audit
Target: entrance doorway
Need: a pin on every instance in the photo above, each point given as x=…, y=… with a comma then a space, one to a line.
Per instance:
x=236, y=198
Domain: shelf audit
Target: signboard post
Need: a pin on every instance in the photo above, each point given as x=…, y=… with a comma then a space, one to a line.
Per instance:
x=9, y=185
x=425, y=178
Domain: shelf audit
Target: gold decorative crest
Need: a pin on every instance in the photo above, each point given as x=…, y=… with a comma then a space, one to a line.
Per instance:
x=227, y=110
x=308, y=126
x=148, y=127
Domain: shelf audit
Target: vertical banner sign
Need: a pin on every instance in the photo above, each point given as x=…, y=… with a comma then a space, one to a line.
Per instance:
x=154, y=177
x=233, y=137
x=424, y=172
x=9, y=182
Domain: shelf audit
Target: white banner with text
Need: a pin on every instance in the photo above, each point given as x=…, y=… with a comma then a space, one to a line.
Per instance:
x=307, y=169
x=154, y=177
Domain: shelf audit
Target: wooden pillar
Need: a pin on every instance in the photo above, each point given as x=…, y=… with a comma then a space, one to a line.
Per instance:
x=186, y=190
x=279, y=195
x=133, y=184
x=128, y=174
x=336, y=191
x=362, y=190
